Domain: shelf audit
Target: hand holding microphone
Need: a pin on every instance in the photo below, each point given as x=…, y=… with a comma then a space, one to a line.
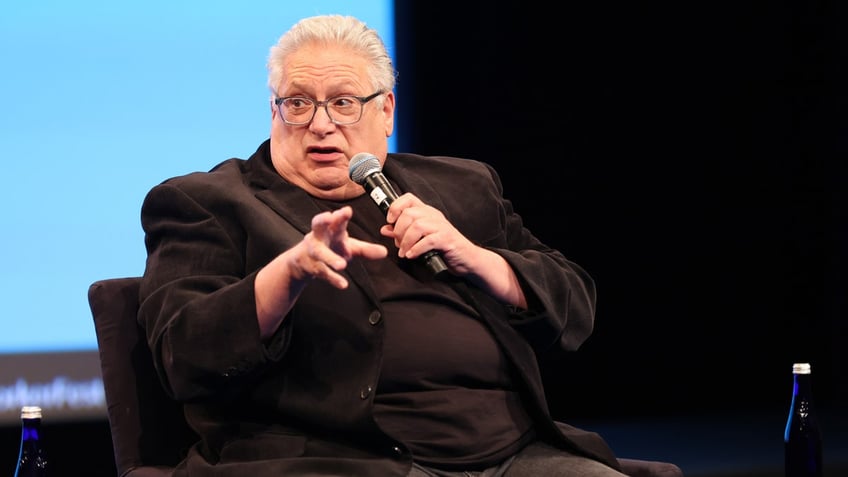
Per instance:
x=366, y=171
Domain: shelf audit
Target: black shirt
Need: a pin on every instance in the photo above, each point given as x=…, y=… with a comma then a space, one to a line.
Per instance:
x=446, y=389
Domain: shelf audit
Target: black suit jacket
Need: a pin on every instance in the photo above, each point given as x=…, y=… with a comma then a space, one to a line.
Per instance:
x=300, y=403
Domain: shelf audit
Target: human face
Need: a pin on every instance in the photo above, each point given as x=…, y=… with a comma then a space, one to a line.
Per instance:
x=316, y=156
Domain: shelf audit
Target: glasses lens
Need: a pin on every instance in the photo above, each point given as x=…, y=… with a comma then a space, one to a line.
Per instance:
x=297, y=110
x=345, y=109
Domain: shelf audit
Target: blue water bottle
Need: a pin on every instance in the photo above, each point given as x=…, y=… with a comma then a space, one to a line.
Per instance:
x=31, y=459
x=802, y=438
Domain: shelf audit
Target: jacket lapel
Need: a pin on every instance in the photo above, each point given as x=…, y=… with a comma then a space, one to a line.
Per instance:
x=296, y=207
x=408, y=181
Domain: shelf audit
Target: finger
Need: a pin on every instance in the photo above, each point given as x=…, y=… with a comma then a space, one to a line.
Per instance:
x=416, y=232
x=367, y=249
x=321, y=225
x=327, y=225
x=327, y=256
x=319, y=262
x=333, y=278
x=400, y=204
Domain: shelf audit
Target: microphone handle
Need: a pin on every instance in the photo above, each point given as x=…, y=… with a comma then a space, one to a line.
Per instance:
x=383, y=194
x=380, y=190
x=434, y=261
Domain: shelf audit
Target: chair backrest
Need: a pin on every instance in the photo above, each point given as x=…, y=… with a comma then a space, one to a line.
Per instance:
x=149, y=432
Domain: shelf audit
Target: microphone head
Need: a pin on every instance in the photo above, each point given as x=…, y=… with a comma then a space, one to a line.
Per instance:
x=363, y=165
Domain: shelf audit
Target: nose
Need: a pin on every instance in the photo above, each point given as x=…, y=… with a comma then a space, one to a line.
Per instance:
x=321, y=120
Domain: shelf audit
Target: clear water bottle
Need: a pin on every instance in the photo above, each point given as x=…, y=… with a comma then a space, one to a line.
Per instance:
x=31, y=459
x=802, y=438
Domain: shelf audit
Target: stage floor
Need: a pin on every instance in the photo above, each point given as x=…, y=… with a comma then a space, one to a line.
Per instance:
x=720, y=445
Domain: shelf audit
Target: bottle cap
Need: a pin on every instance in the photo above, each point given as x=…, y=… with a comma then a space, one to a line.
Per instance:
x=801, y=368
x=30, y=412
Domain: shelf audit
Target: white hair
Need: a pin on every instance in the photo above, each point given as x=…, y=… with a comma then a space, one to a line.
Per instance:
x=340, y=30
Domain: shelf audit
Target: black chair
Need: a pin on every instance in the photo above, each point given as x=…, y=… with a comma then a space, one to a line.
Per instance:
x=149, y=432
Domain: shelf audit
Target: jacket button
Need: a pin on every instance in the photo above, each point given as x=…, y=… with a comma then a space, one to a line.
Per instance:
x=375, y=317
x=365, y=392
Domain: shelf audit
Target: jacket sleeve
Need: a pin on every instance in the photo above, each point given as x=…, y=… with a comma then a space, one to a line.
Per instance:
x=197, y=297
x=561, y=295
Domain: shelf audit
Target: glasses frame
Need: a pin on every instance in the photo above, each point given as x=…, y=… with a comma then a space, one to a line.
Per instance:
x=326, y=104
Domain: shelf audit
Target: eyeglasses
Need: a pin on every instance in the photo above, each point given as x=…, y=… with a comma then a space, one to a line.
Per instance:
x=342, y=110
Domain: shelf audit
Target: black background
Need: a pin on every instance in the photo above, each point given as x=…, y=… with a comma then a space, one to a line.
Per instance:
x=690, y=155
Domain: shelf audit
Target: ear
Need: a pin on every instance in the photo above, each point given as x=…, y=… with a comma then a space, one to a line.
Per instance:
x=389, y=112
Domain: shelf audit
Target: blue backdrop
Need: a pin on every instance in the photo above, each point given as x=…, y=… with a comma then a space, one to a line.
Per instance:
x=99, y=101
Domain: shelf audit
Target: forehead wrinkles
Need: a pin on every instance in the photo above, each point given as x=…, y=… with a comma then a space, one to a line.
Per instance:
x=313, y=67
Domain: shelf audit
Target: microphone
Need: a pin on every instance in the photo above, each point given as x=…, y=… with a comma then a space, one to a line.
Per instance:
x=366, y=171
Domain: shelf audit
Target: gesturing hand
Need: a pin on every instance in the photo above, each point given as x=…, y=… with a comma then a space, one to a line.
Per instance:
x=322, y=254
x=328, y=248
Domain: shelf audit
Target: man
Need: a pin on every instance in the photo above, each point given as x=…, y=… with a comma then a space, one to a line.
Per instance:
x=298, y=325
